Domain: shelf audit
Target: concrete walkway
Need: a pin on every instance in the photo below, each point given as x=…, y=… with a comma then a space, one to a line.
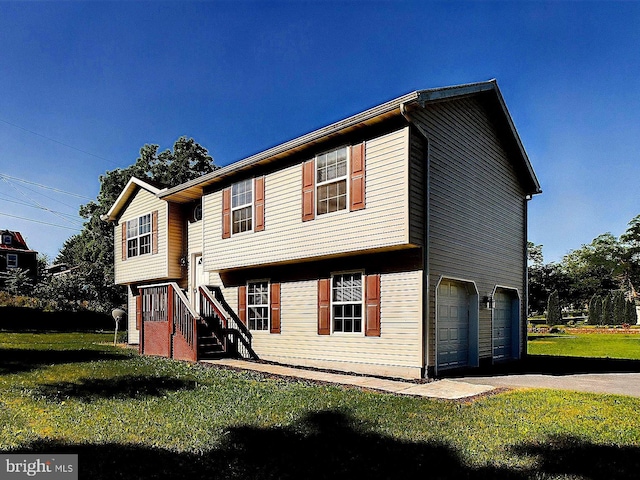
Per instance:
x=445, y=389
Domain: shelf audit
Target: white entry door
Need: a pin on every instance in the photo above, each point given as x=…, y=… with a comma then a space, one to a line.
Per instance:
x=199, y=278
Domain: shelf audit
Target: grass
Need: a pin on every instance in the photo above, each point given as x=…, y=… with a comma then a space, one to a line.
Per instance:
x=141, y=417
x=593, y=345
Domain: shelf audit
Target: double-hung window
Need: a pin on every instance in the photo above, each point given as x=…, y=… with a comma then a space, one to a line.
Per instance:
x=242, y=206
x=139, y=236
x=12, y=260
x=258, y=305
x=347, y=301
x=331, y=181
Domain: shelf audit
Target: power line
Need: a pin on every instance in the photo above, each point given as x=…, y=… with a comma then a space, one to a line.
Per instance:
x=73, y=217
x=58, y=142
x=32, y=200
x=38, y=193
x=44, y=186
x=38, y=221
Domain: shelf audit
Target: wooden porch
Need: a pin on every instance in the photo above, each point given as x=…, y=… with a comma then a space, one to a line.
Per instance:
x=170, y=326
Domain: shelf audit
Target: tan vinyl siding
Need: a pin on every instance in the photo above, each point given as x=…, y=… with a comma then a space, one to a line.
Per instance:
x=166, y=263
x=133, y=334
x=397, y=352
x=285, y=238
x=417, y=188
x=476, y=208
x=175, y=240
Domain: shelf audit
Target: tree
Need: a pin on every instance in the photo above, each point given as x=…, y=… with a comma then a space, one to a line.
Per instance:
x=17, y=281
x=595, y=310
x=554, y=311
x=92, y=249
x=607, y=310
x=596, y=268
x=630, y=314
x=619, y=307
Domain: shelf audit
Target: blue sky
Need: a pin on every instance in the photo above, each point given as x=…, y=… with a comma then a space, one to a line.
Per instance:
x=83, y=85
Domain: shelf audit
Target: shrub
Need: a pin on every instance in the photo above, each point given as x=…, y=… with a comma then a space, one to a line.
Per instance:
x=595, y=311
x=607, y=310
x=554, y=311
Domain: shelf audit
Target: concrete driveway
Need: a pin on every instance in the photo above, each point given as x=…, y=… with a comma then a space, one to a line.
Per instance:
x=620, y=377
x=615, y=383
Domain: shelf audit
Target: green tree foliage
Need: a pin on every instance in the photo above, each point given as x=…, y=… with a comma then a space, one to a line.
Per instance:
x=595, y=310
x=607, y=310
x=619, y=307
x=596, y=268
x=544, y=279
x=17, y=281
x=91, y=251
x=554, y=310
x=630, y=314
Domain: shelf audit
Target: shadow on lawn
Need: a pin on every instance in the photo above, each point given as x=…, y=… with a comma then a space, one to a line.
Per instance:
x=128, y=386
x=17, y=360
x=332, y=445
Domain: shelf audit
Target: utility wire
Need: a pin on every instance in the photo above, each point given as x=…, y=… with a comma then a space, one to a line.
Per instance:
x=44, y=186
x=58, y=142
x=33, y=201
x=38, y=221
x=73, y=217
x=41, y=194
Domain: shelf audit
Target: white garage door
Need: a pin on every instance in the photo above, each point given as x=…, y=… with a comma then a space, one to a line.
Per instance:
x=503, y=325
x=453, y=325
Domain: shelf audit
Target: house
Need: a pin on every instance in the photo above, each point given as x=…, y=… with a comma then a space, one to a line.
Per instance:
x=14, y=253
x=392, y=242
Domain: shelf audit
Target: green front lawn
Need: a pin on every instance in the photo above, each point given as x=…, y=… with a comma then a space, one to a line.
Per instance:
x=595, y=345
x=139, y=417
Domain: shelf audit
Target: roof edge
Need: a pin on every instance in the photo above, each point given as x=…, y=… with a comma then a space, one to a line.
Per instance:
x=133, y=184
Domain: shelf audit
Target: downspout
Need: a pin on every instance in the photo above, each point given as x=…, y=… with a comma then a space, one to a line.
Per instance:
x=425, y=249
x=525, y=296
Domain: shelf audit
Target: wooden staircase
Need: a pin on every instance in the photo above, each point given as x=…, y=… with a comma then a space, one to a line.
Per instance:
x=210, y=339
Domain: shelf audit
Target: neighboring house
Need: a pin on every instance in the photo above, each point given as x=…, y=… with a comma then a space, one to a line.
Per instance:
x=14, y=253
x=392, y=242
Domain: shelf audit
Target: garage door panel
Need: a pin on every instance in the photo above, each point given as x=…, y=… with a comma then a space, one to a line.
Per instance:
x=453, y=325
x=503, y=321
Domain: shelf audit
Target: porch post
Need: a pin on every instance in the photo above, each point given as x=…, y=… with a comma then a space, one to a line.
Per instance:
x=139, y=322
x=170, y=318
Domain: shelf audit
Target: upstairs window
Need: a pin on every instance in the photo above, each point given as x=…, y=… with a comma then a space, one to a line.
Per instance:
x=12, y=260
x=258, y=305
x=139, y=236
x=331, y=181
x=242, y=206
x=7, y=239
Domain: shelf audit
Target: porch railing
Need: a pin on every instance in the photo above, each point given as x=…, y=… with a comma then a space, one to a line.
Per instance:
x=236, y=336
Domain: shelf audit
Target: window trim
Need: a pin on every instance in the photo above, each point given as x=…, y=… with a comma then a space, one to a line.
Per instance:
x=14, y=260
x=250, y=205
x=346, y=177
x=363, y=314
x=266, y=330
x=137, y=237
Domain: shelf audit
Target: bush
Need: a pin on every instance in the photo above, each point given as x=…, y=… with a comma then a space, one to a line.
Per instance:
x=554, y=311
x=595, y=311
